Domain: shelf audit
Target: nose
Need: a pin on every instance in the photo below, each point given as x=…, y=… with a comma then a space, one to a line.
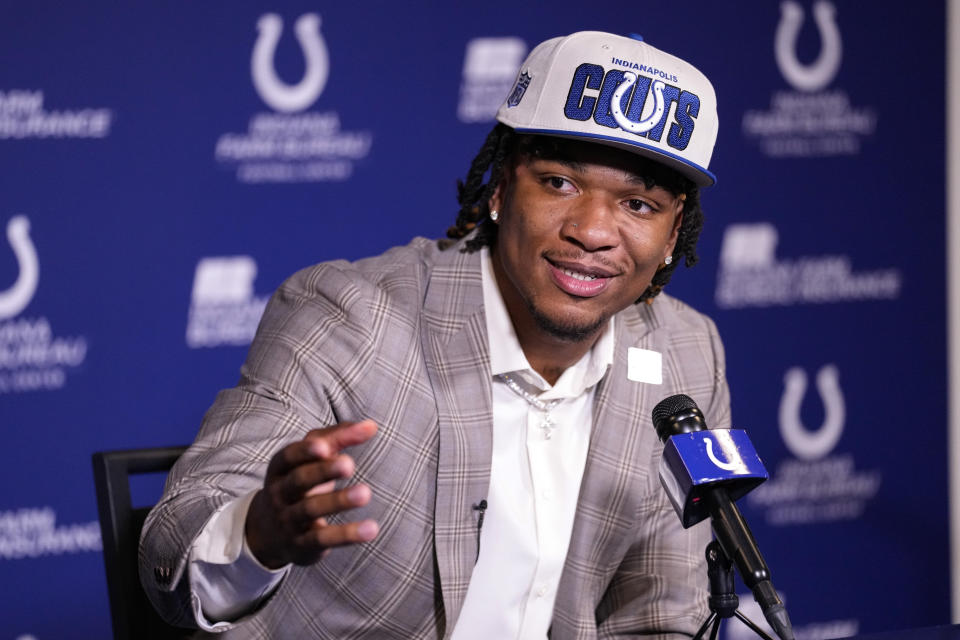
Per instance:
x=591, y=225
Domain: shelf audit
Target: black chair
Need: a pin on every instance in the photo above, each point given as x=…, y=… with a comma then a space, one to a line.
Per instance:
x=120, y=523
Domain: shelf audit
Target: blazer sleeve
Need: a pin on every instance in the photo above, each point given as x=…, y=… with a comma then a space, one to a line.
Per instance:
x=312, y=342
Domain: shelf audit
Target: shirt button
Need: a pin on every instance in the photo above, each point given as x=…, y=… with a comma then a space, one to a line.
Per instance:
x=546, y=494
x=542, y=591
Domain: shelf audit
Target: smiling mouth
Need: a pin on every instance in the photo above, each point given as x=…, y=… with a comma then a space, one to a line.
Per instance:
x=586, y=277
x=576, y=269
x=579, y=280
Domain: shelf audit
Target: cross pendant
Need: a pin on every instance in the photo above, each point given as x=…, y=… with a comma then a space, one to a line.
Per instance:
x=547, y=426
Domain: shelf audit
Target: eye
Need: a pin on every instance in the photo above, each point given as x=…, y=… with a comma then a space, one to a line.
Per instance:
x=642, y=207
x=558, y=183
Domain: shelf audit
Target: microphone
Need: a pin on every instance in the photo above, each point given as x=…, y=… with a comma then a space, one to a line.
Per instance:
x=699, y=484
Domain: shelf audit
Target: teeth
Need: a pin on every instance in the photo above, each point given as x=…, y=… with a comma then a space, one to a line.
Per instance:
x=579, y=276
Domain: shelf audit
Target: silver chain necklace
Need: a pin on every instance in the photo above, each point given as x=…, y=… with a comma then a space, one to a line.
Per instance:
x=548, y=423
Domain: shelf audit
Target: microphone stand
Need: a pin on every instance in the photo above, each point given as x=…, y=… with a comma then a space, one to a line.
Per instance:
x=723, y=597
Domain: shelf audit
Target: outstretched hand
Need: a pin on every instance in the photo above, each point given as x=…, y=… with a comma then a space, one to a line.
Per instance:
x=287, y=518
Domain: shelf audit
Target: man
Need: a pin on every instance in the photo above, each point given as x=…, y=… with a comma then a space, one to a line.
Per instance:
x=470, y=423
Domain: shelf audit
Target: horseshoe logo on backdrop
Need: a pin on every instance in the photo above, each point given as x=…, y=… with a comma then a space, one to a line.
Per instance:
x=804, y=443
x=274, y=91
x=18, y=296
x=726, y=466
x=818, y=74
x=630, y=79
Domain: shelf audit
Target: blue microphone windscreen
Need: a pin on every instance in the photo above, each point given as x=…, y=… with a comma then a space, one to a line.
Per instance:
x=694, y=462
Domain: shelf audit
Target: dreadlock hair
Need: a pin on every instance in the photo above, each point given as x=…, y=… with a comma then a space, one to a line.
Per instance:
x=503, y=145
x=474, y=195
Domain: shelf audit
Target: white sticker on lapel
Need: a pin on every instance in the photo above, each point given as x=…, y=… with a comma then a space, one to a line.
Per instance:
x=644, y=365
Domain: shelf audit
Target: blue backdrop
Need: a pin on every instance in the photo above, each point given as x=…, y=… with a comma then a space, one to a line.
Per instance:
x=163, y=168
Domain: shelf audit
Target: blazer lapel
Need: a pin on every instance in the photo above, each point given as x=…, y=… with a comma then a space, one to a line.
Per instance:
x=455, y=347
x=621, y=442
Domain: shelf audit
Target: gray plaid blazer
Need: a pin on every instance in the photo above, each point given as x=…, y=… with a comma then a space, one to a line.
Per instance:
x=401, y=338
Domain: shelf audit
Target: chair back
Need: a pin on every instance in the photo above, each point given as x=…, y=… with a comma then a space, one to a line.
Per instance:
x=132, y=614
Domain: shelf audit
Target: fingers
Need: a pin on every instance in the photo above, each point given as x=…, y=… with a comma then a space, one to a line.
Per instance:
x=307, y=466
x=321, y=444
x=312, y=478
x=287, y=521
x=314, y=536
x=324, y=537
x=332, y=440
x=301, y=533
x=309, y=511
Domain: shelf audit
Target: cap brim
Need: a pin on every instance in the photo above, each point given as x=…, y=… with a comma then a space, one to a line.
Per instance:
x=700, y=176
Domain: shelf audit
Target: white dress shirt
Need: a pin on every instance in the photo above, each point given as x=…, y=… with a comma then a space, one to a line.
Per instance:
x=534, y=488
x=534, y=482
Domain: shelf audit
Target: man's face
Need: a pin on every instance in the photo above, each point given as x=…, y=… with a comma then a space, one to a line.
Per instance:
x=580, y=238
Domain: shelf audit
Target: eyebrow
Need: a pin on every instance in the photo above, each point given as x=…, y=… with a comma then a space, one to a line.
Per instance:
x=632, y=178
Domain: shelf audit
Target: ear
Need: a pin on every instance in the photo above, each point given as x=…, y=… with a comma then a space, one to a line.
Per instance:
x=675, y=233
x=495, y=203
x=501, y=193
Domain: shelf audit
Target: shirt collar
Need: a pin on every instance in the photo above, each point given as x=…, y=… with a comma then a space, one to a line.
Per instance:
x=506, y=355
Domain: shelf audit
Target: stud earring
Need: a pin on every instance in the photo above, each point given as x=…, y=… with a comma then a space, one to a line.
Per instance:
x=494, y=215
x=668, y=260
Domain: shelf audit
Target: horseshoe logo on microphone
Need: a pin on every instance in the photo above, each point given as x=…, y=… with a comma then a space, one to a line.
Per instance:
x=630, y=79
x=274, y=91
x=818, y=74
x=18, y=296
x=726, y=466
x=804, y=443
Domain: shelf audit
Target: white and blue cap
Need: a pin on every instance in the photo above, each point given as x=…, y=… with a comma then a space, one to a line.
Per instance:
x=620, y=92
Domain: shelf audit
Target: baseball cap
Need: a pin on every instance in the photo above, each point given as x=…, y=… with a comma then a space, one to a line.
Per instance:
x=620, y=92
